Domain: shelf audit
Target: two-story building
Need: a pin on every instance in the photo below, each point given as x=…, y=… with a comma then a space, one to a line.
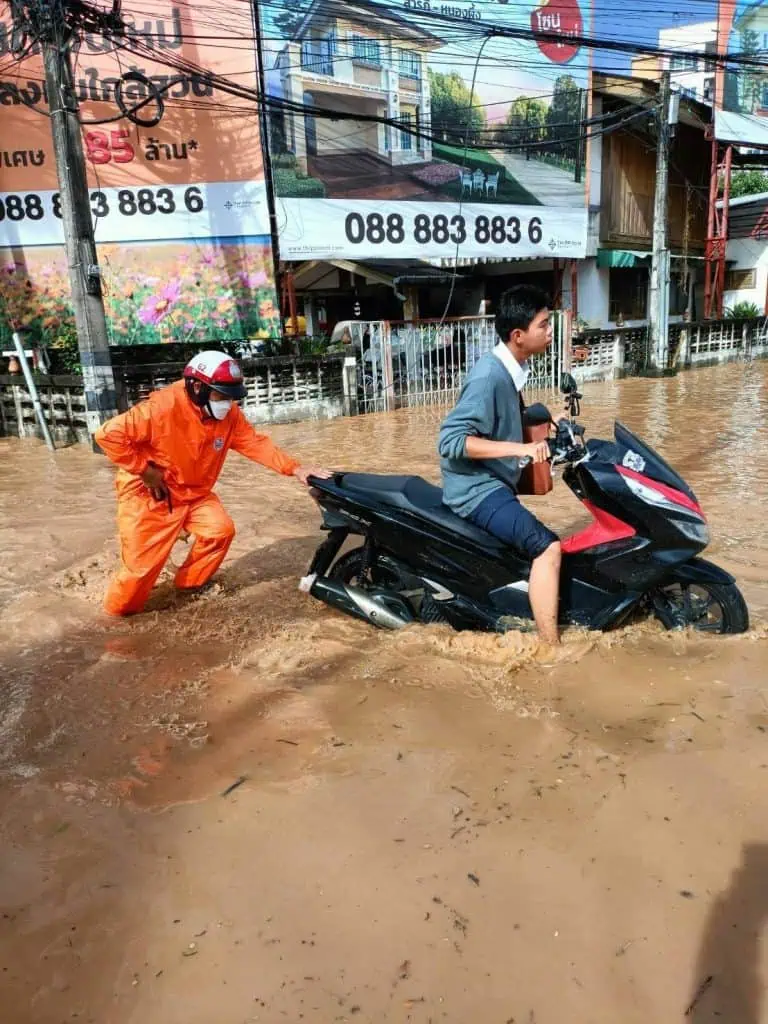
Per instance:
x=746, y=275
x=368, y=61
x=614, y=281
x=746, y=89
x=692, y=73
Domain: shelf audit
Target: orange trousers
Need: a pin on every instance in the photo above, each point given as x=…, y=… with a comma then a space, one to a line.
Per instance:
x=148, y=531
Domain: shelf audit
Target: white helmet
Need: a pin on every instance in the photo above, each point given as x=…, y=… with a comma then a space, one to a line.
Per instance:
x=218, y=372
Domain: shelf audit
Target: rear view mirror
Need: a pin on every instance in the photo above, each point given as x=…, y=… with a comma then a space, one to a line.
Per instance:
x=536, y=415
x=568, y=384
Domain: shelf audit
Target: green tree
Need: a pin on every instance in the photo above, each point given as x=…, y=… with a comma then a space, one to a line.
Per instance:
x=564, y=117
x=749, y=84
x=454, y=117
x=525, y=123
x=747, y=183
x=288, y=22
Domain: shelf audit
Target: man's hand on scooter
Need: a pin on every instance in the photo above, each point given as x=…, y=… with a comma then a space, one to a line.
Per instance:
x=303, y=473
x=537, y=451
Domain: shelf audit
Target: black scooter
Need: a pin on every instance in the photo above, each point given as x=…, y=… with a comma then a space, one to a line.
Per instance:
x=419, y=562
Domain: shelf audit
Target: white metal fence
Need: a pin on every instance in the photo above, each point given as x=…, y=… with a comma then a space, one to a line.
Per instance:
x=406, y=364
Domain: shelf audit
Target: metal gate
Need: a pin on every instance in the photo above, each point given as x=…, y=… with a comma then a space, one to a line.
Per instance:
x=405, y=364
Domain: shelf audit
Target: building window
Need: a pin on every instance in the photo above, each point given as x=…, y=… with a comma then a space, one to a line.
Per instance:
x=709, y=89
x=317, y=54
x=682, y=62
x=740, y=280
x=409, y=64
x=628, y=292
x=690, y=93
x=365, y=50
x=406, y=139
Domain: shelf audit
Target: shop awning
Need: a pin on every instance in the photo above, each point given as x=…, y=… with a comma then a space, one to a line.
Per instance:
x=387, y=272
x=622, y=258
x=637, y=257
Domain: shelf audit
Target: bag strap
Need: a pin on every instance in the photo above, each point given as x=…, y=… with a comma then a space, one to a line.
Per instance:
x=495, y=466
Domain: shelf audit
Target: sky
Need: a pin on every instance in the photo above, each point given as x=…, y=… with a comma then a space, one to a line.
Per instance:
x=639, y=21
x=509, y=69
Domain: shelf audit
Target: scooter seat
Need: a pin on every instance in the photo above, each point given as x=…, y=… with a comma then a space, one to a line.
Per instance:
x=417, y=496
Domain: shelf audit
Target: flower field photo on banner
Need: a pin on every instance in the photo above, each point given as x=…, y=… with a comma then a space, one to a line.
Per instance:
x=164, y=292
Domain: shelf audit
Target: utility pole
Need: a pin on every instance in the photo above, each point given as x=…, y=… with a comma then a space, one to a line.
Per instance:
x=84, y=273
x=266, y=154
x=658, y=328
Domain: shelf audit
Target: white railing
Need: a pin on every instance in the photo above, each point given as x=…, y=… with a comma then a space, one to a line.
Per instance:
x=282, y=389
x=601, y=355
x=425, y=363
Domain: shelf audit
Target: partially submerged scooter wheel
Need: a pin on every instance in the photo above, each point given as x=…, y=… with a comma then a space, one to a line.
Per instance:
x=704, y=607
x=385, y=574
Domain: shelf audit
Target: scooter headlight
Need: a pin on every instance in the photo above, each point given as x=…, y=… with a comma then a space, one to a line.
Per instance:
x=698, y=532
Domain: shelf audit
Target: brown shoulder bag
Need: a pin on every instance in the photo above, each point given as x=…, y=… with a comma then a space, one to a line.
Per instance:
x=535, y=478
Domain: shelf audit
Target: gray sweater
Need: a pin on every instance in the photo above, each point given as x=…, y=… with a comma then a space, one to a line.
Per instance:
x=489, y=407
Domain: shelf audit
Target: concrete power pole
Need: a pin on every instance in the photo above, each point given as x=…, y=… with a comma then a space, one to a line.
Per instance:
x=84, y=274
x=658, y=333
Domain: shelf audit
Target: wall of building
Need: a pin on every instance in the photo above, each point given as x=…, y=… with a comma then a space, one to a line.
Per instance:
x=629, y=182
x=335, y=137
x=748, y=254
x=592, y=299
x=696, y=80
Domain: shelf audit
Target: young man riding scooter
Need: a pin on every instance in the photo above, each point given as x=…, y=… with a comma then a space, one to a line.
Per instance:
x=486, y=426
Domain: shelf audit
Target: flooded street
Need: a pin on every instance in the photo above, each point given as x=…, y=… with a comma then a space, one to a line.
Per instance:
x=427, y=826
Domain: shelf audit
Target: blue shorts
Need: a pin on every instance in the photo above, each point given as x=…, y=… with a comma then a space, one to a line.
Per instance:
x=502, y=515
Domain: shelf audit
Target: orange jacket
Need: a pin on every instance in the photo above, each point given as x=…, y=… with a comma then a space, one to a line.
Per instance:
x=169, y=430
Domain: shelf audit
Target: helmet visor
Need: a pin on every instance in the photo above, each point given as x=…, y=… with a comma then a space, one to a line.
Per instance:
x=234, y=391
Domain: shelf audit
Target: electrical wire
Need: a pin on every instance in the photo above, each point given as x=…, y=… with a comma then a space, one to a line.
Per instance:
x=85, y=17
x=455, y=273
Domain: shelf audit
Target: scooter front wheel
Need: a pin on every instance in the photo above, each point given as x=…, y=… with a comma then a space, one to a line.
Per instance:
x=704, y=607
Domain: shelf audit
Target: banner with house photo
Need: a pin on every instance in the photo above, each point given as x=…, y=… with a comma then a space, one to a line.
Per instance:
x=497, y=171
x=742, y=93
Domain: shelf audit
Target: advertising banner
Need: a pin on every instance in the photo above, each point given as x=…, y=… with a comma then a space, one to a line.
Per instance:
x=743, y=90
x=198, y=173
x=399, y=130
x=179, y=209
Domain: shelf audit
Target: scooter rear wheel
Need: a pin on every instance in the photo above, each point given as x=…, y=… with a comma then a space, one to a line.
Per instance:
x=349, y=570
x=704, y=607
x=383, y=573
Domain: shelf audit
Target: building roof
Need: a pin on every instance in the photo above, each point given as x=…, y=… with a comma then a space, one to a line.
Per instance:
x=745, y=8
x=645, y=92
x=365, y=10
x=759, y=199
x=387, y=272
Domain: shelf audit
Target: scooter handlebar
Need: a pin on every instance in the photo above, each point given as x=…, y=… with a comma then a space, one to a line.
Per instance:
x=563, y=446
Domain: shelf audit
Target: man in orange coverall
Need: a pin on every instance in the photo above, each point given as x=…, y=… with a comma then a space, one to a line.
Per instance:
x=171, y=450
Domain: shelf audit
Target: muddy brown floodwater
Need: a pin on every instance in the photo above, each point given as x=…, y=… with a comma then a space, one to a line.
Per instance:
x=429, y=827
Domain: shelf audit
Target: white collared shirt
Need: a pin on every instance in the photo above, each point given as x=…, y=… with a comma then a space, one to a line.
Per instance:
x=518, y=373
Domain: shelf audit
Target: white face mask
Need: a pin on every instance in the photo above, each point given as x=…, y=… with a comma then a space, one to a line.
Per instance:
x=220, y=408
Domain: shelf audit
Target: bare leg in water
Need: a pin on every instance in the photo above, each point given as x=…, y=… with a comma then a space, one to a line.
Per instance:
x=544, y=592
